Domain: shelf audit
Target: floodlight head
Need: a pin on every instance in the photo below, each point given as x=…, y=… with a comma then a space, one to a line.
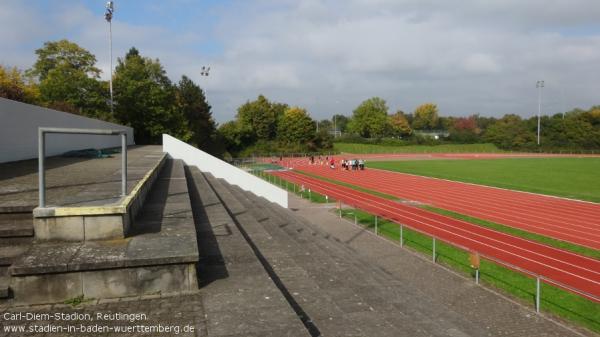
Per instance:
x=205, y=71
x=110, y=5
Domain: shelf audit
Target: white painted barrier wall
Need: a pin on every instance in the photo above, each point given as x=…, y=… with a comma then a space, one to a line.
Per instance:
x=19, y=123
x=220, y=169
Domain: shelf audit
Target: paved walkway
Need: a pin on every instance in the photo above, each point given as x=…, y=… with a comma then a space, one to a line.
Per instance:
x=74, y=181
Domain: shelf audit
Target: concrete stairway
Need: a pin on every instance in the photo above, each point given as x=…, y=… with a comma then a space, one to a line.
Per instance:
x=241, y=297
x=339, y=291
x=158, y=255
x=16, y=235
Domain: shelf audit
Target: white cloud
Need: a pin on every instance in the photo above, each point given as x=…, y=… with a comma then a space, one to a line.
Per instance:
x=470, y=57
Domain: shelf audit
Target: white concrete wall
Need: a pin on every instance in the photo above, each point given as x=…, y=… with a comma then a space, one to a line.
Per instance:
x=220, y=169
x=19, y=124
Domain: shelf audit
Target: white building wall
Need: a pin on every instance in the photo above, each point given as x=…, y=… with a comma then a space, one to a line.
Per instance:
x=220, y=169
x=19, y=123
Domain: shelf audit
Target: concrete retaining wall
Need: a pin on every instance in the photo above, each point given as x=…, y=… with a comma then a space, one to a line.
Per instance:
x=19, y=123
x=220, y=169
x=109, y=283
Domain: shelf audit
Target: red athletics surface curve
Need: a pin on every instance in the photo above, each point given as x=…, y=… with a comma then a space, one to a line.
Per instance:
x=563, y=219
x=568, y=270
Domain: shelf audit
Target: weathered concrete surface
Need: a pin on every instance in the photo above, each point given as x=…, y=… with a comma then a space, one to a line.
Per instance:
x=159, y=257
x=351, y=283
x=98, y=222
x=74, y=181
x=418, y=295
x=238, y=296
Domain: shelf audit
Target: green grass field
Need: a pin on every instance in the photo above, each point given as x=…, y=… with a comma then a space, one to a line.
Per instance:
x=451, y=148
x=577, y=178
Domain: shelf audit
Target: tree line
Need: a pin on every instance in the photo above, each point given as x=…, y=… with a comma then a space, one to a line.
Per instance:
x=65, y=77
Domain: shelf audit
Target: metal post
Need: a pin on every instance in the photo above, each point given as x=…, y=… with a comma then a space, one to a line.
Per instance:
x=433, y=250
x=286, y=185
x=294, y=188
x=376, y=225
x=124, y=164
x=355, y=219
x=309, y=195
x=340, y=209
x=477, y=276
x=41, y=171
x=539, y=85
x=111, y=67
x=537, y=295
x=401, y=236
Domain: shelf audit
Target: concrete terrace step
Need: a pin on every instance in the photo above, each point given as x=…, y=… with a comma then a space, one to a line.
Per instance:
x=160, y=256
x=16, y=225
x=323, y=246
x=342, y=292
x=92, y=208
x=234, y=283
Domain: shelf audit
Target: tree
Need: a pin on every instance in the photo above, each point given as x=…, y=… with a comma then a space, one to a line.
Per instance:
x=510, y=132
x=191, y=101
x=145, y=100
x=70, y=87
x=398, y=125
x=465, y=129
x=260, y=118
x=425, y=117
x=296, y=127
x=13, y=86
x=340, y=122
x=68, y=78
x=64, y=54
x=325, y=125
x=369, y=119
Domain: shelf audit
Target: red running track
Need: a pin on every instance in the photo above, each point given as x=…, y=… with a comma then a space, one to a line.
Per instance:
x=564, y=219
x=568, y=270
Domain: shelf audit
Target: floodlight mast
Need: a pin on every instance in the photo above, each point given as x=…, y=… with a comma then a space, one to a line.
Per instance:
x=205, y=71
x=108, y=16
x=539, y=85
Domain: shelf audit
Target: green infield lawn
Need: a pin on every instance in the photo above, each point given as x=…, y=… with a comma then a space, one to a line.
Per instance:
x=446, y=148
x=577, y=178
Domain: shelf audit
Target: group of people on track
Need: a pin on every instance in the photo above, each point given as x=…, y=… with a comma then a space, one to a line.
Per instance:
x=352, y=164
x=345, y=164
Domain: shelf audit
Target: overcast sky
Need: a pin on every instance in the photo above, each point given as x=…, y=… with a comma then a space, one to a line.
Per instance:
x=468, y=56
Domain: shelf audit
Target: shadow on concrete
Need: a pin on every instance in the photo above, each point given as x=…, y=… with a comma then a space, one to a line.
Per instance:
x=211, y=265
x=150, y=218
x=20, y=168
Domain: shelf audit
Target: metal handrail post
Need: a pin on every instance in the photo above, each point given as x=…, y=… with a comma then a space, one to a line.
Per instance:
x=537, y=295
x=41, y=171
x=124, y=164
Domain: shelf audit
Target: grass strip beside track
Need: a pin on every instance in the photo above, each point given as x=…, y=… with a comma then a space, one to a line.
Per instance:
x=291, y=187
x=484, y=223
x=576, y=178
x=560, y=302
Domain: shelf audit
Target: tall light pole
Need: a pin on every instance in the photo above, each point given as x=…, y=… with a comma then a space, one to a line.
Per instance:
x=108, y=16
x=334, y=127
x=539, y=85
